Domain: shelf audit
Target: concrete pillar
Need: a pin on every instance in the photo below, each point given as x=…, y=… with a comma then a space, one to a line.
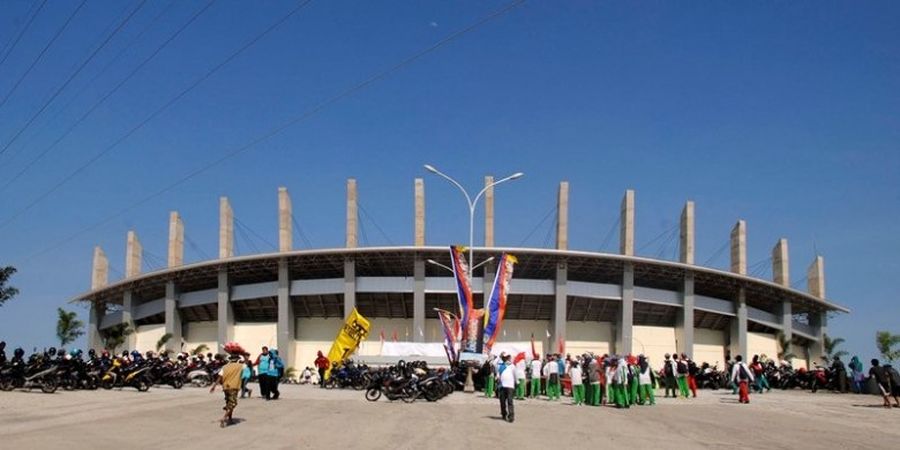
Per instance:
x=559, y=308
x=173, y=318
x=286, y=319
x=128, y=304
x=176, y=240
x=226, y=229
x=133, y=255
x=684, y=321
x=625, y=319
x=686, y=243
x=819, y=323
x=352, y=215
x=419, y=233
x=349, y=286
x=626, y=225
x=781, y=271
x=285, y=228
x=419, y=299
x=562, y=217
x=99, y=270
x=489, y=212
x=738, y=332
x=787, y=319
x=225, y=332
x=739, y=248
x=815, y=278
x=96, y=313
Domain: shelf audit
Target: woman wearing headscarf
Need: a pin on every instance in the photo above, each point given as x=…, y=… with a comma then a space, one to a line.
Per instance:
x=647, y=381
x=857, y=374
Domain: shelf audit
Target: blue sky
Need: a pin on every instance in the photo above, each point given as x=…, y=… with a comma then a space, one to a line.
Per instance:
x=785, y=114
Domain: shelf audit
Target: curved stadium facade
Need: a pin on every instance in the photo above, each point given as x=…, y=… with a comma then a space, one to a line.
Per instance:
x=296, y=300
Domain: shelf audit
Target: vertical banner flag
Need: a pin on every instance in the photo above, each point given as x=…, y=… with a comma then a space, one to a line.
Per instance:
x=463, y=289
x=450, y=325
x=495, y=308
x=472, y=342
x=354, y=331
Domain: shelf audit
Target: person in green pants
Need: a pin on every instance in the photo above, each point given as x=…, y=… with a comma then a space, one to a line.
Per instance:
x=488, y=370
x=633, y=385
x=681, y=377
x=551, y=370
x=520, y=379
x=594, y=374
x=536, y=372
x=647, y=382
x=620, y=378
x=577, y=384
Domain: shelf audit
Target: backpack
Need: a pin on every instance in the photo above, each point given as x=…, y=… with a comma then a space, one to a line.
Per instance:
x=668, y=369
x=742, y=373
x=682, y=368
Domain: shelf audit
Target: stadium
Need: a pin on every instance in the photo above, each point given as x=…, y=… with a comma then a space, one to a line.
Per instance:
x=574, y=301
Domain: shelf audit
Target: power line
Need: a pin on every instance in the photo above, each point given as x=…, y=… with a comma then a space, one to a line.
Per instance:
x=74, y=74
x=306, y=115
x=41, y=54
x=156, y=113
x=21, y=33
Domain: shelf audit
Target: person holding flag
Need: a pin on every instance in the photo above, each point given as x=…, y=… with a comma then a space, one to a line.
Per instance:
x=519, y=363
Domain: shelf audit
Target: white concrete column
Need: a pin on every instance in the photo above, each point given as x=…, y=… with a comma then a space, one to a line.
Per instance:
x=686, y=247
x=815, y=278
x=352, y=215
x=738, y=331
x=787, y=319
x=819, y=323
x=562, y=217
x=684, y=321
x=226, y=229
x=739, y=248
x=419, y=299
x=625, y=319
x=349, y=286
x=780, y=264
x=173, y=318
x=419, y=198
x=225, y=331
x=285, y=225
x=286, y=319
x=133, y=255
x=99, y=270
x=561, y=292
x=128, y=304
x=489, y=212
x=626, y=225
x=176, y=240
x=95, y=315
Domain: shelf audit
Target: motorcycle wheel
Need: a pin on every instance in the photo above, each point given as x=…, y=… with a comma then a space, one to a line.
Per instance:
x=358, y=386
x=107, y=384
x=329, y=383
x=177, y=383
x=142, y=385
x=432, y=395
x=409, y=395
x=373, y=394
x=7, y=384
x=48, y=385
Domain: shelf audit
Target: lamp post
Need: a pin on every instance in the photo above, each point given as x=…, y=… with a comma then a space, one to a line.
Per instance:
x=471, y=203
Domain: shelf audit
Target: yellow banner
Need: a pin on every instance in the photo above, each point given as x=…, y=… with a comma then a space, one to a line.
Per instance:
x=354, y=331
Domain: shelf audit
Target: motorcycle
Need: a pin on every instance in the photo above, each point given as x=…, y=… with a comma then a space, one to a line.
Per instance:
x=36, y=373
x=121, y=375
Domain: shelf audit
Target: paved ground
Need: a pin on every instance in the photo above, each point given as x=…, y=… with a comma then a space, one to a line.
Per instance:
x=307, y=417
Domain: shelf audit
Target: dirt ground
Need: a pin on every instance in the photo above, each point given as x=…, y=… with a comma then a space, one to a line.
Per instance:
x=308, y=417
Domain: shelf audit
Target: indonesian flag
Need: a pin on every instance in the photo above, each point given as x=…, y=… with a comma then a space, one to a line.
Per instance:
x=519, y=357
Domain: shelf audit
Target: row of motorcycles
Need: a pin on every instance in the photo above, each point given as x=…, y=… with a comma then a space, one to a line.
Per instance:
x=781, y=376
x=411, y=381
x=50, y=370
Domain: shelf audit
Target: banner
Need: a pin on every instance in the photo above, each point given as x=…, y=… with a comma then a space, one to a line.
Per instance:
x=472, y=342
x=463, y=289
x=495, y=308
x=354, y=331
x=450, y=325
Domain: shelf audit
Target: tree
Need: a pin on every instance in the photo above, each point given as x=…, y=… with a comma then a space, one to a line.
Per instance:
x=830, y=346
x=784, y=345
x=198, y=350
x=6, y=292
x=68, y=327
x=885, y=341
x=162, y=341
x=115, y=335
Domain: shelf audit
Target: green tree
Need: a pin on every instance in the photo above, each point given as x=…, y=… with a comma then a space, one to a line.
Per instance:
x=885, y=341
x=116, y=335
x=163, y=341
x=68, y=327
x=830, y=346
x=784, y=348
x=6, y=292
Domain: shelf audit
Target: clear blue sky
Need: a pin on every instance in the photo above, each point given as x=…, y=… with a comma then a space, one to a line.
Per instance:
x=785, y=114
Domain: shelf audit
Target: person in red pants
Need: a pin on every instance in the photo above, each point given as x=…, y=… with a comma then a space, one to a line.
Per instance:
x=742, y=376
x=693, y=370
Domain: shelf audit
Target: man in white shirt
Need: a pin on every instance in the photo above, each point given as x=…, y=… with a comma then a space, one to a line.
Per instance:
x=520, y=376
x=551, y=371
x=507, y=373
x=742, y=376
x=536, y=374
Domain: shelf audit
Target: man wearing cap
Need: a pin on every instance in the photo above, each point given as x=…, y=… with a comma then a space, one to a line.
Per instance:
x=507, y=375
x=536, y=373
x=230, y=379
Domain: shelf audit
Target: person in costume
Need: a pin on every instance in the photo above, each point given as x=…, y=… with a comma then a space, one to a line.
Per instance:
x=647, y=381
x=577, y=383
x=536, y=374
x=669, y=371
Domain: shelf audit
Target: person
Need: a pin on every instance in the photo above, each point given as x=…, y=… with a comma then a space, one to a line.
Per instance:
x=577, y=384
x=230, y=379
x=857, y=374
x=759, y=376
x=620, y=380
x=246, y=375
x=883, y=379
x=507, y=375
x=276, y=371
x=263, y=361
x=894, y=375
x=840, y=374
x=647, y=382
x=489, y=374
x=2, y=353
x=520, y=377
x=551, y=371
x=681, y=375
x=741, y=376
x=322, y=364
x=693, y=371
x=562, y=370
x=669, y=371
x=633, y=386
x=536, y=367
x=596, y=393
